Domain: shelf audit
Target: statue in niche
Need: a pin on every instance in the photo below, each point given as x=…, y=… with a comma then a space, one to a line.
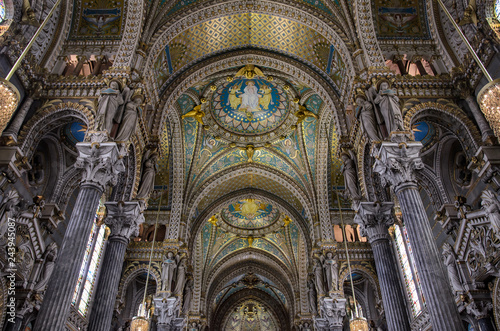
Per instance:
x=318, y=275
x=350, y=176
x=331, y=267
x=388, y=103
x=188, y=293
x=311, y=293
x=167, y=271
x=305, y=327
x=180, y=280
x=148, y=174
x=109, y=102
x=48, y=267
x=491, y=207
x=366, y=116
x=9, y=208
x=449, y=258
x=128, y=121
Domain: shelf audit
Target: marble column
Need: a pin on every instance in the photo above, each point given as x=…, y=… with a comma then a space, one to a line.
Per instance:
x=374, y=220
x=124, y=219
x=101, y=165
x=484, y=127
x=396, y=163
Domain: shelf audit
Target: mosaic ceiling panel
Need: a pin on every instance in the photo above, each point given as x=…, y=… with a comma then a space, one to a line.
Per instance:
x=250, y=181
x=397, y=19
x=251, y=106
x=255, y=30
x=250, y=213
x=98, y=19
x=251, y=315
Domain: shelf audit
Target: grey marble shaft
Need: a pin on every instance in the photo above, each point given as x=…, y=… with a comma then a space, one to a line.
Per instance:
x=124, y=219
x=390, y=286
x=14, y=126
x=57, y=299
x=479, y=117
x=437, y=292
x=396, y=162
x=107, y=286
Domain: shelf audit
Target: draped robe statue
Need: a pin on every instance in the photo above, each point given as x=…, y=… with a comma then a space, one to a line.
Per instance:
x=148, y=174
x=389, y=108
x=449, y=258
x=366, y=116
x=48, y=267
x=491, y=207
x=350, y=177
x=331, y=267
x=129, y=119
x=109, y=101
x=181, y=278
x=318, y=275
x=311, y=292
x=167, y=271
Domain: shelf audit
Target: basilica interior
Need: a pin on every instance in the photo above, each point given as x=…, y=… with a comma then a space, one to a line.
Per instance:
x=246, y=165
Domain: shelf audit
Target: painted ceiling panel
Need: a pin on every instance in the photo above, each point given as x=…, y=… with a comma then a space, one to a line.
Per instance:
x=97, y=20
x=396, y=19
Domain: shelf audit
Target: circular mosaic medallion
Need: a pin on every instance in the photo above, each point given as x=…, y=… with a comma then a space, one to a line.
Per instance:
x=250, y=214
x=250, y=106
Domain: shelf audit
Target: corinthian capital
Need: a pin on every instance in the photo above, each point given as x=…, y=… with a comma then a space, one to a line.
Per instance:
x=101, y=163
x=123, y=218
x=374, y=218
x=396, y=162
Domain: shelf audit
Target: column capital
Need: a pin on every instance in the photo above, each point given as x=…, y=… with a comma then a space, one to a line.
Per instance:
x=166, y=310
x=101, y=163
x=397, y=161
x=124, y=219
x=374, y=218
x=332, y=312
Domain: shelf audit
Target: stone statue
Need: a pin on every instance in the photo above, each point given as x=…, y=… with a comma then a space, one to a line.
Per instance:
x=48, y=267
x=491, y=207
x=180, y=280
x=129, y=120
x=167, y=271
x=350, y=176
x=389, y=107
x=109, y=101
x=450, y=258
x=318, y=275
x=306, y=326
x=148, y=174
x=188, y=294
x=331, y=267
x=366, y=116
x=9, y=207
x=311, y=291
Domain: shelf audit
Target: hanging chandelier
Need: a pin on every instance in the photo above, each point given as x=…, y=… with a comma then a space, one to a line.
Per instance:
x=489, y=96
x=9, y=94
x=141, y=321
x=357, y=322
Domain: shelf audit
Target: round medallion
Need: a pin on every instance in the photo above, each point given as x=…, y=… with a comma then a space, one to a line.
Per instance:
x=250, y=106
x=250, y=214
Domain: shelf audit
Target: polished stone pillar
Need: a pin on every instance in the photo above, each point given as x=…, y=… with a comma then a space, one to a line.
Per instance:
x=15, y=125
x=101, y=165
x=124, y=219
x=374, y=220
x=396, y=162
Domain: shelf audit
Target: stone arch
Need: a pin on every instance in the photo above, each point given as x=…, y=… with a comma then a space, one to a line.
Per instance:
x=280, y=314
x=212, y=11
x=231, y=271
x=132, y=272
x=368, y=273
x=243, y=194
x=451, y=114
x=250, y=168
x=131, y=34
x=48, y=118
x=367, y=35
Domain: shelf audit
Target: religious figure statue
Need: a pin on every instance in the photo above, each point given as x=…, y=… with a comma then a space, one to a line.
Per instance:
x=366, y=116
x=350, y=176
x=389, y=107
x=130, y=115
x=188, y=293
x=311, y=293
x=250, y=97
x=167, y=271
x=9, y=208
x=331, y=267
x=148, y=174
x=491, y=207
x=318, y=275
x=109, y=101
x=303, y=113
x=48, y=267
x=196, y=113
x=450, y=258
x=180, y=280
